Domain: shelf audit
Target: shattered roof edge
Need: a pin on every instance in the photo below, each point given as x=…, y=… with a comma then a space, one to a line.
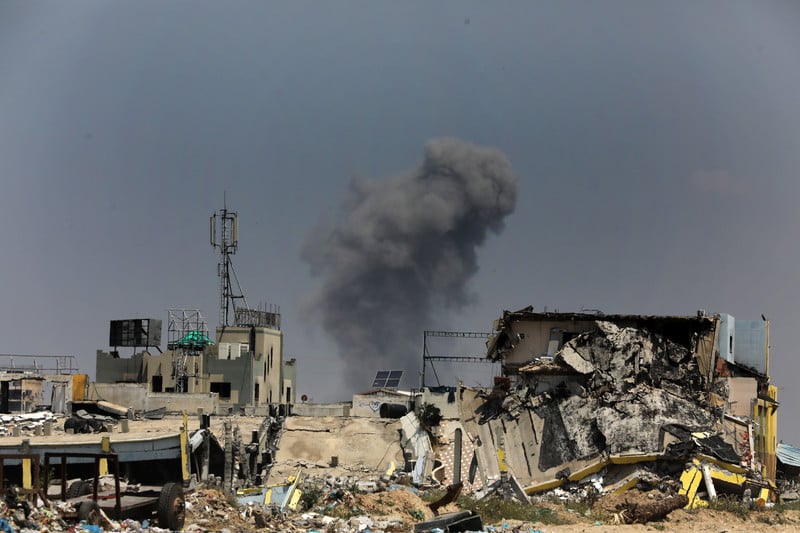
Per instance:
x=600, y=316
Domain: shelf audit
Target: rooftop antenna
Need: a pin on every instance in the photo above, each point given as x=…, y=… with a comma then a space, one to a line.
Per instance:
x=224, y=233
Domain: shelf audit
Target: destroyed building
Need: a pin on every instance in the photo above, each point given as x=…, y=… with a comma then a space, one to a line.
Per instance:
x=32, y=382
x=586, y=394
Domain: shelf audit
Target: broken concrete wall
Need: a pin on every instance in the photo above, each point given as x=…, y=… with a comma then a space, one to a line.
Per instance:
x=369, y=403
x=111, y=369
x=444, y=398
x=137, y=397
x=526, y=340
x=741, y=391
x=446, y=452
x=128, y=394
x=321, y=409
x=359, y=444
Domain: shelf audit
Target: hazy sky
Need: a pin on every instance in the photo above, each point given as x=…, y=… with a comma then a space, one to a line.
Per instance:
x=656, y=147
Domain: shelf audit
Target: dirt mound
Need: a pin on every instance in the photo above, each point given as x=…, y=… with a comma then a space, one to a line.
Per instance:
x=610, y=503
x=399, y=504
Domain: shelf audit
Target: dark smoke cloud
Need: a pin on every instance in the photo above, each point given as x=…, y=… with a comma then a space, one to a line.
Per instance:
x=403, y=248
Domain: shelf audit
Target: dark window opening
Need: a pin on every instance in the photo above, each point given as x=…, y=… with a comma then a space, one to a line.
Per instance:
x=288, y=395
x=157, y=385
x=222, y=388
x=256, y=392
x=567, y=336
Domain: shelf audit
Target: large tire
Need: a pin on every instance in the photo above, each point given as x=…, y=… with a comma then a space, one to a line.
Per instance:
x=171, y=507
x=90, y=512
x=95, y=426
x=78, y=488
x=70, y=423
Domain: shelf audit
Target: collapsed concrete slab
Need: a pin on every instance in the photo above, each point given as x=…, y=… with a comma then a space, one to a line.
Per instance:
x=587, y=394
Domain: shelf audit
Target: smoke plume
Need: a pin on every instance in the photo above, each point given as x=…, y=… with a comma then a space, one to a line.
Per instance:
x=403, y=248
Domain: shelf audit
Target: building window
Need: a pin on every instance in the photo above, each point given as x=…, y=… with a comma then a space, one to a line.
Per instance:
x=157, y=385
x=288, y=395
x=256, y=392
x=221, y=388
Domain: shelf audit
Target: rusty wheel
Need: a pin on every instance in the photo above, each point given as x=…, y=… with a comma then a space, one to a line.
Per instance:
x=78, y=488
x=171, y=507
x=89, y=512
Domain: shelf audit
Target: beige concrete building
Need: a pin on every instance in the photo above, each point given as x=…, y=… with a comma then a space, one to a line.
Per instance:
x=245, y=368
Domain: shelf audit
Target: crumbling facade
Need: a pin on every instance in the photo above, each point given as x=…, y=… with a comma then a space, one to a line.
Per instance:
x=586, y=394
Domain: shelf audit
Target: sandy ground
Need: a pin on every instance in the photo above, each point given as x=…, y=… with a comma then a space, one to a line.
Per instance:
x=700, y=521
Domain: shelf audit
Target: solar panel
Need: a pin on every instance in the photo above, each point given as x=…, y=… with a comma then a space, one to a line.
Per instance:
x=393, y=381
x=387, y=379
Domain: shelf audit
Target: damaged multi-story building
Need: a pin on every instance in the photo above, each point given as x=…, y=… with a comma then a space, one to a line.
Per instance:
x=626, y=397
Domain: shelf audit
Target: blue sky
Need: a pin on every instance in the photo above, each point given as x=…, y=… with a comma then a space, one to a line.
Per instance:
x=656, y=147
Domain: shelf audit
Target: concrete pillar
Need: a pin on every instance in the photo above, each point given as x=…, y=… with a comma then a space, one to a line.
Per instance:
x=206, y=455
x=48, y=428
x=457, y=457
x=228, y=473
x=123, y=425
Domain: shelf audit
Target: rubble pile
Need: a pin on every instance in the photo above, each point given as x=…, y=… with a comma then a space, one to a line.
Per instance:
x=83, y=422
x=336, y=509
x=27, y=424
x=210, y=510
x=631, y=384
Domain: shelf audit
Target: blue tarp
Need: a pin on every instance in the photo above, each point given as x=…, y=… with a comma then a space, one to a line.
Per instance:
x=788, y=455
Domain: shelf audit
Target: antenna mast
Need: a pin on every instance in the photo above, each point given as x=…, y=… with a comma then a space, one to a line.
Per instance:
x=224, y=233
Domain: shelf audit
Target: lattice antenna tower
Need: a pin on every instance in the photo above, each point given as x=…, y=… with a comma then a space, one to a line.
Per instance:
x=224, y=233
x=187, y=336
